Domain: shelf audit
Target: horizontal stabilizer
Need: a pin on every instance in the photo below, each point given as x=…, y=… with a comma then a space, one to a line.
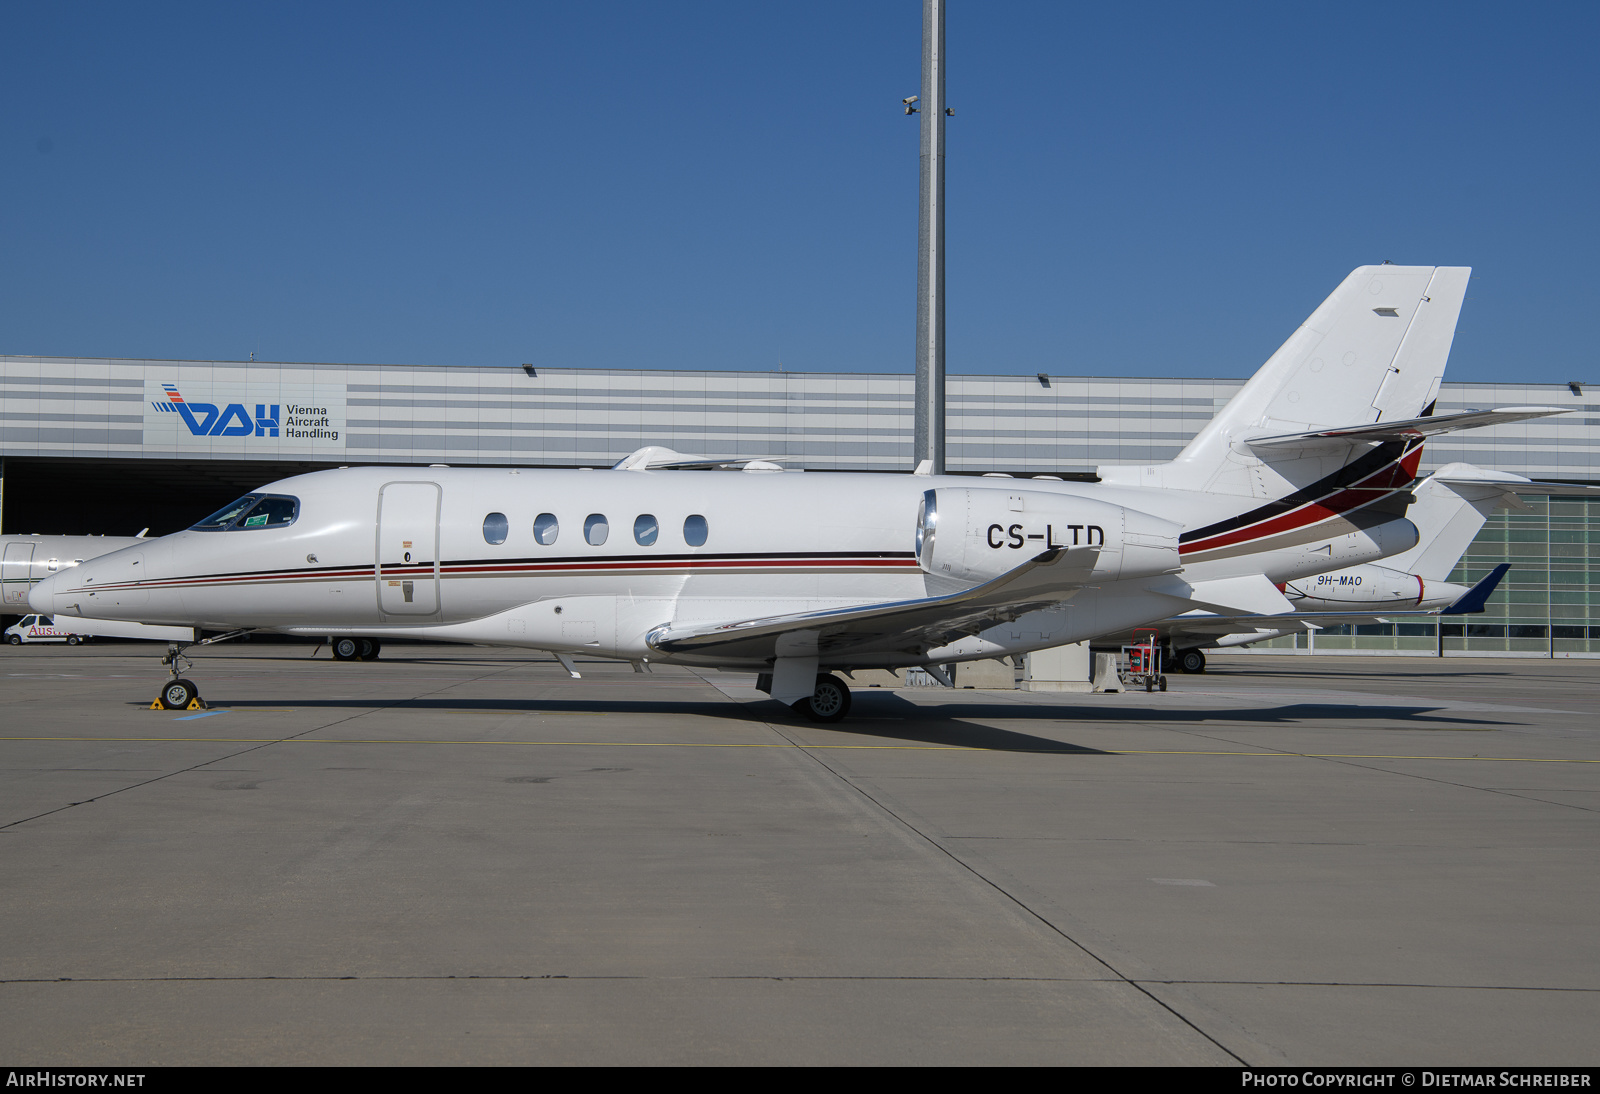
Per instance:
x=1472, y=601
x=1517, y=485
x=1409, y=430
x=1252, y=594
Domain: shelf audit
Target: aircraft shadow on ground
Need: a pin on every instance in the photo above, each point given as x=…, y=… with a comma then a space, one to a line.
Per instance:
x=942, y=728
x=887, y=704
x=887, y=716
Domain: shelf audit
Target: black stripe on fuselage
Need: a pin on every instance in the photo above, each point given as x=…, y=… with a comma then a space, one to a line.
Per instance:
x=784, y=556
x=1386, y=453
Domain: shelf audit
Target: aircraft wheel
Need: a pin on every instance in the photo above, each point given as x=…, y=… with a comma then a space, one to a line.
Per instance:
x=1192, y=661
x=1161, y=682
x=829, y=703
x=178, y=694
x=14, y=639
x=346, y=649
x=73, y=640
x=369, y=649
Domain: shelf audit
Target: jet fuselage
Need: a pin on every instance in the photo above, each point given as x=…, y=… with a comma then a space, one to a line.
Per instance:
x=593, y=561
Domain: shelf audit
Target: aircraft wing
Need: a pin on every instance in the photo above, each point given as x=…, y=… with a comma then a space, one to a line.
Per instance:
x=1409, y=429
x=908, y=625
x=1206, y=623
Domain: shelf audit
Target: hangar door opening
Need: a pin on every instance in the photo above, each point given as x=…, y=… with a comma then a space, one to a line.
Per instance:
x=408, y=548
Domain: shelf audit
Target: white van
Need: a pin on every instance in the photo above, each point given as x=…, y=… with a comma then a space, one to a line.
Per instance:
x=41, y=628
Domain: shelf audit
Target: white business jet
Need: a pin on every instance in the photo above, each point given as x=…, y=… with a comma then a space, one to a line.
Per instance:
x=1449, y=508
x=793, y=574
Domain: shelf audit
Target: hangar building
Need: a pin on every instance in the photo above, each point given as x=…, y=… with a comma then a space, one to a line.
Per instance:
x=110, y=446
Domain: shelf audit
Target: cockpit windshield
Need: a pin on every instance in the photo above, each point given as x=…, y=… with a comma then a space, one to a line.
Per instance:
x=252, y=511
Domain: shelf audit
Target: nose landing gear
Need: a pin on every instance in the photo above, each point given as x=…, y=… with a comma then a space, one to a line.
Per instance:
x=178, y=693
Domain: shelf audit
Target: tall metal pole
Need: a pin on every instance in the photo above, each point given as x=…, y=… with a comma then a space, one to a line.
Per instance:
x=929, y=437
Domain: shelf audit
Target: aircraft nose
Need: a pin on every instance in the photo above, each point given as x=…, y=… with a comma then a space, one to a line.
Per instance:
x=42, y=597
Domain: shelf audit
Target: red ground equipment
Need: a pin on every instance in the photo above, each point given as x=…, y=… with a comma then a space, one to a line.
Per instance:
x=1141, y=662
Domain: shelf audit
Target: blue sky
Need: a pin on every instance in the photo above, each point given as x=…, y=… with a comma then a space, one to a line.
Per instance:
x=1146, y=190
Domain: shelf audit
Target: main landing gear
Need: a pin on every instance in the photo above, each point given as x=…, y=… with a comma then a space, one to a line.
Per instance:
x=829, y=703
x=356, y=649
x=1191, y=661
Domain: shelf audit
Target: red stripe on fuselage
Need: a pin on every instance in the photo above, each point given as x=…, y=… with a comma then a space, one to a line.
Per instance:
x=467, y=570
x=1373, y=488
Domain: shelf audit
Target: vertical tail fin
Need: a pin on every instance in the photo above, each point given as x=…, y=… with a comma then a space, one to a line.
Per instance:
x=1447, y=519
x=1472, y=601
x=1375, y=350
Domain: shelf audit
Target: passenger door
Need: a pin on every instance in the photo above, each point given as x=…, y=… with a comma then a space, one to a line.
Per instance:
x=15, y=575
x=408, y=549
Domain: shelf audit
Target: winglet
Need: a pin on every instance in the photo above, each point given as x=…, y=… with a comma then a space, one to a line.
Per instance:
x=1472, y=601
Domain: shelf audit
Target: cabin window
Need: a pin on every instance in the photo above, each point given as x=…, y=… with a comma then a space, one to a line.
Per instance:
x=595, y=529
x=252, y=511
x=546, y=528
x=495, y=527
x=645, y=529
x=694, y=531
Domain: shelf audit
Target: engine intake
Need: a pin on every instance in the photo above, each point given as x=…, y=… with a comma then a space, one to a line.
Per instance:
x=976, y=535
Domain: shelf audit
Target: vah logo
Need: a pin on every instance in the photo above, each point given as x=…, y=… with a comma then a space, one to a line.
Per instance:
x=205, y=420
x=308, y=423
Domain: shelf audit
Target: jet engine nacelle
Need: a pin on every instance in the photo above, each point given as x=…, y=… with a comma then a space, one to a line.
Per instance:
x=975, y=535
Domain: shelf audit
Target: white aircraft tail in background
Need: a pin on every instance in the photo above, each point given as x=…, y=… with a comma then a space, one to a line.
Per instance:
x=1449, y=508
